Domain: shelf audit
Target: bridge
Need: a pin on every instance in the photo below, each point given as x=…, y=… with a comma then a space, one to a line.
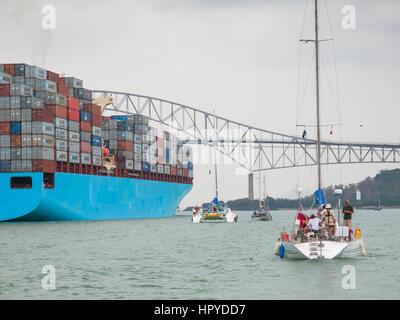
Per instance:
x=252, y=148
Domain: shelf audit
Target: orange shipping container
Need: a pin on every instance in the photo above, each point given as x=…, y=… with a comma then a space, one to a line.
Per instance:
x=125, y=145
x=58, y=111
x=4, y=127
x=73, y=103
x=86, y=126
x=15, y=140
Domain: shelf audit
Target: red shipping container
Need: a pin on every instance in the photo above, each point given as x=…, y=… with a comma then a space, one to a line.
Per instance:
x=86, y=147
x=86, y=126
x=62, y=81
x=52, y=76
x=4, y=127
x=125, y=145
x=96, y=120
x=104, y=118
x=73, y=103
x=58, y=111
x=15, y=140
x=94, y=109
x=42, y=115
x=44, y=166
x=185, y=172
x=61, y=89
x=9, y=69
x=73, y=115
x=173, y=170
x=4, y=89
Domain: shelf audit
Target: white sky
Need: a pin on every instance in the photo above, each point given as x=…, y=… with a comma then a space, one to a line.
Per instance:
x=237, y=57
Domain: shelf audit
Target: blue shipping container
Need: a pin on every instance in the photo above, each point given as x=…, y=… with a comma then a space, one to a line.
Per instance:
x=146, y=166
x=84, y=116
x=96, y=141
x=15, y=127
x=120, y=118
x=190, y=166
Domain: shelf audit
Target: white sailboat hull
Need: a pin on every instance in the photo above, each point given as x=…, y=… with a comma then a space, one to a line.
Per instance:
x=323, y=250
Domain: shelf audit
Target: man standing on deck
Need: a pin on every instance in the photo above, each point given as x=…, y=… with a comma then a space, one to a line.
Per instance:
x=347, y=214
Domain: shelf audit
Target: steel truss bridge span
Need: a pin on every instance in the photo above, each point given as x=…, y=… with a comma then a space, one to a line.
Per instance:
x=252, y=148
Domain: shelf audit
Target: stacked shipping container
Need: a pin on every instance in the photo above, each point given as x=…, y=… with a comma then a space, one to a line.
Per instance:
x=49, y=123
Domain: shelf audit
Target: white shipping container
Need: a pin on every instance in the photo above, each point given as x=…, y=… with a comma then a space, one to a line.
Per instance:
x=62, y=156
x=26, y=165
x=5, y=154
x=137, y=166
x=73, y=136
x=61, y=134
x=74, y=147
x=26, y=153
x=26, y=140
x=61, y=145
x=96, y=131
x=15, y=115
x=96, y=160
x=167, y=169
x=129, y=164
x=86, y=158
x=96, y=151
x=74, y=157
x=26, y=127
x=61, y=123
x=160, y=168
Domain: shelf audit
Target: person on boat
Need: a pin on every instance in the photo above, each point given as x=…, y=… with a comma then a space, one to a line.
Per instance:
x=314, y=224
x=197, y=208
x=320, y=209
x=305, y=223
x=348, y=212
x=329, y=219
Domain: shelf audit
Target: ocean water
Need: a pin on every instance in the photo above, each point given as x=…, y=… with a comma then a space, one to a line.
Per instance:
x=172, y=258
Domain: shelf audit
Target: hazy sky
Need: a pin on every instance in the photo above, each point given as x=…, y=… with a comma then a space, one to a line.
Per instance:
x=240, y=58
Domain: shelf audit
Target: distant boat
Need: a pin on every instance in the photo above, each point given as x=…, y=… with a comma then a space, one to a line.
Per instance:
x=262, y=213
x=378, y=206
x=215, y=212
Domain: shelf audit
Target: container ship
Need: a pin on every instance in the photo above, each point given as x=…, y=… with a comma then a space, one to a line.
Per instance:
x=61, y=158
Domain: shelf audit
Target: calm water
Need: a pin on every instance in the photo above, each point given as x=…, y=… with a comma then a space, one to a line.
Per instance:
x=173, y=259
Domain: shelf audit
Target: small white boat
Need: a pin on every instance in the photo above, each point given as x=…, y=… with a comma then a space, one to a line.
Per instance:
x=215, y=213
x=227, y=215
x=322, y=249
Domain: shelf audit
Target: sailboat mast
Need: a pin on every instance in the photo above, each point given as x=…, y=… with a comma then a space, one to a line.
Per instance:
x=317, y=94
x=215, y=157
x=259, y=176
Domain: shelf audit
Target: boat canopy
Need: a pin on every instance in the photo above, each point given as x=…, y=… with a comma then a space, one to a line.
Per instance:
x=319, y=197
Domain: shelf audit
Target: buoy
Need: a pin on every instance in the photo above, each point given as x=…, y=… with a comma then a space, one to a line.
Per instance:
x=276, y=248
x=357, y=234
x=282, y=251
x=362, y=248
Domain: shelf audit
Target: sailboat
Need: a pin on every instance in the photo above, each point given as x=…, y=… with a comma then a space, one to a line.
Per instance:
x=262, y=213
x=215, y=212
x=378, y=206
x=301, y=244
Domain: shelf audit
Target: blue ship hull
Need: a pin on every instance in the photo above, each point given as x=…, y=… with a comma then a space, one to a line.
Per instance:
x=88, y=197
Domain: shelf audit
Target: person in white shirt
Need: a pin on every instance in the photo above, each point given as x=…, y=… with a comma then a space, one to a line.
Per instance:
x=313, y=224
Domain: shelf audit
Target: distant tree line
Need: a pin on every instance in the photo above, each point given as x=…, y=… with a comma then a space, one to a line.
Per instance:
x=385, y=185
